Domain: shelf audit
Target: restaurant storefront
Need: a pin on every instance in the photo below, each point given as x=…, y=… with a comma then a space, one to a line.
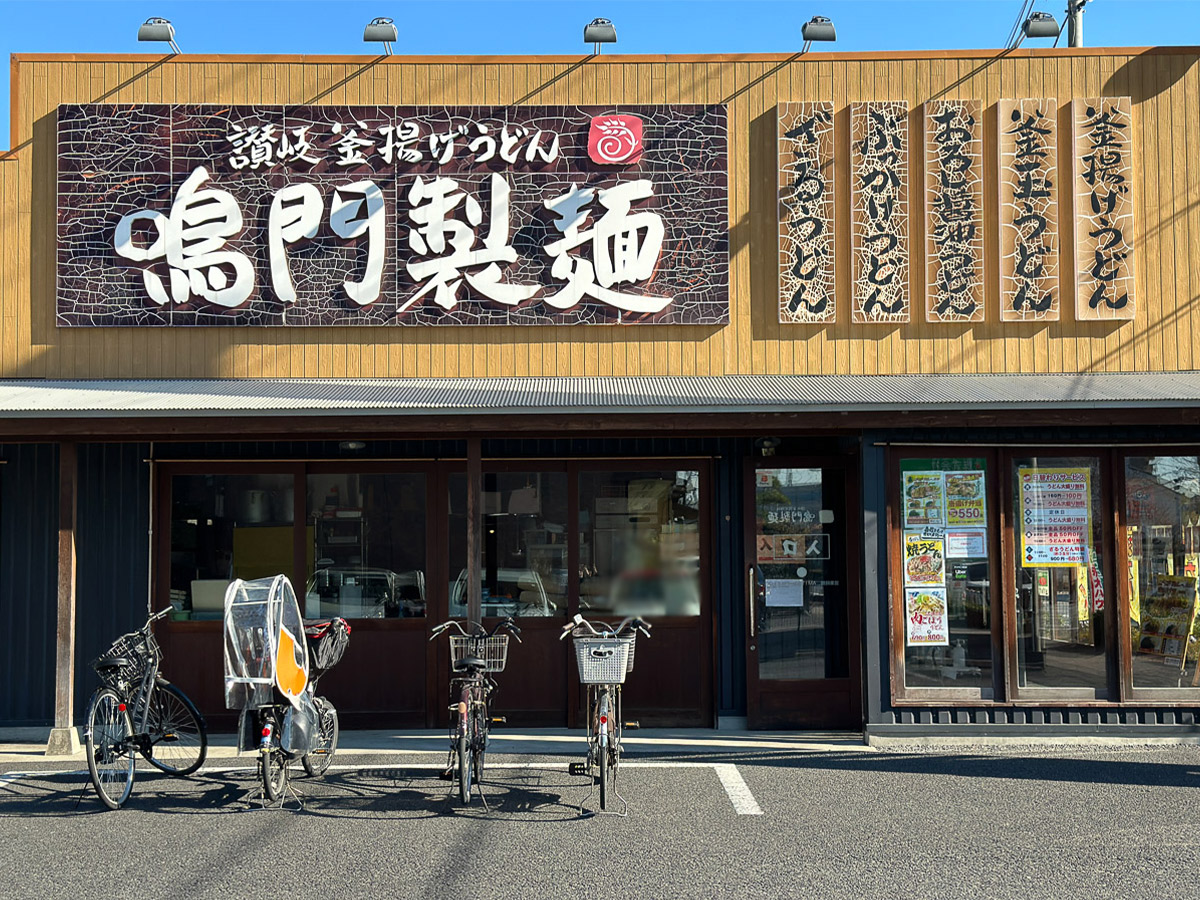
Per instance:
x=868, y=379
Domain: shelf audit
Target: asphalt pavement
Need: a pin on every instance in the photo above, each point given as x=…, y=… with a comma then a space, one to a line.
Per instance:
x=709, y=815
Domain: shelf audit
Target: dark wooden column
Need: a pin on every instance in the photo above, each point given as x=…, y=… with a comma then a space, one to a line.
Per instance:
x=64, y=738
x=474, y=496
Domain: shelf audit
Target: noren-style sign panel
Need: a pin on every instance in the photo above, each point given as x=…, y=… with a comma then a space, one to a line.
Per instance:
x=806, y=229
x=382, y=215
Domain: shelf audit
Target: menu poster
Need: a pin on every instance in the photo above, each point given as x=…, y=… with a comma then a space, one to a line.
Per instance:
x=924, y=561
x=965, y=503
x=926, y=622
x=924, y=499
x=1055, y=516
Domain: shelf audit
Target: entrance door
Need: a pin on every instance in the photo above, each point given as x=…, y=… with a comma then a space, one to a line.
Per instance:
x=802, y=616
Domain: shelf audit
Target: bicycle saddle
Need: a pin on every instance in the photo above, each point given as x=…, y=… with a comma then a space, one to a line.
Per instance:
x=466, y=663
x=112, y=662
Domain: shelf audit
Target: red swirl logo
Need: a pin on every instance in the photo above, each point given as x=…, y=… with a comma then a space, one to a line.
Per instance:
x=615, y=140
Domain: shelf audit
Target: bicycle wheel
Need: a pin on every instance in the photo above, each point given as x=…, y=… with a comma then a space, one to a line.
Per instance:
x=464, y=768
x=603, y=776
x=109, y=755
x=178, y=737
x=273, y=766
x=479, y=736
x=602, y=748
x=318, y=760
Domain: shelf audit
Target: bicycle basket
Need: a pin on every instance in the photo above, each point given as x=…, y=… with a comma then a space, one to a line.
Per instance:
x=133, y=647
x=602, y=660
x=631, y=640
x=492, y=650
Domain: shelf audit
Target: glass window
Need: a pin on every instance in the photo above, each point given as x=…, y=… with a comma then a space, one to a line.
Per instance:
x=944, y=546
x=1162, y=533
x=1060, y=590
x=639, y=551
x=366, y=533
x=225, y=527
x=524, y=544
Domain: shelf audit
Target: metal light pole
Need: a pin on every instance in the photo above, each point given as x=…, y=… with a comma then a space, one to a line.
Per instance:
x=1075, y=22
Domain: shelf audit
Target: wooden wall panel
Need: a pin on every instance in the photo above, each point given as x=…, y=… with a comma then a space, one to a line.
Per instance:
x=1164, y=90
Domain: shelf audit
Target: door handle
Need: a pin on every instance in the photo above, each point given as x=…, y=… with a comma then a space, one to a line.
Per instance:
x=750, y=597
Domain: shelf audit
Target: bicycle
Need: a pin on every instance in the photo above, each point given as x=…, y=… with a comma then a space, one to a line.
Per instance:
x=604, y=654
x=326, y=640
x=474, y=655
x=273, y=662
x=137, y=711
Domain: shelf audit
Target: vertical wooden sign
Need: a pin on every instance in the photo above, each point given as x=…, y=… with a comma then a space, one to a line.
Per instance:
x=806, y=236
x=879, y=211
x=953, y=211
x=1104, y=235
x=1029, y=288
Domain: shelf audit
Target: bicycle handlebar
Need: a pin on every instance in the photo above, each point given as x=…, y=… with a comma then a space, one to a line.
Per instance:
x=629, y=623
x=155, y=617
x=478, y=630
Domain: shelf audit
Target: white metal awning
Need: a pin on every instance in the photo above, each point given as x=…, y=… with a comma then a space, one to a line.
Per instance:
x=30, y=398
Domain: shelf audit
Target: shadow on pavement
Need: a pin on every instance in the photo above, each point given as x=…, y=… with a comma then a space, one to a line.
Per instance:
x=1083, y=769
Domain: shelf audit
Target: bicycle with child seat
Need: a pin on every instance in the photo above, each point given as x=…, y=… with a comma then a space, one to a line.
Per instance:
x=136, y=711
x=604, y=654
x=475, y=654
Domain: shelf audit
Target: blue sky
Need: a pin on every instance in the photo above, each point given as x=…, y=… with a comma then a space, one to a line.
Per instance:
x=556, y=26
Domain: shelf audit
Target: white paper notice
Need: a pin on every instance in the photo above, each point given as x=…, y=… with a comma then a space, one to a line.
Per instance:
x=966, y=544
x=785, y=592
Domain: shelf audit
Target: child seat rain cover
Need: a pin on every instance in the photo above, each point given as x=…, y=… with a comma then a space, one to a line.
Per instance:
x=265, y=647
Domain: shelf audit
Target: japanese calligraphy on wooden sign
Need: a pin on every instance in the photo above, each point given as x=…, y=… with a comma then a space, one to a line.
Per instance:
x=1029, y=288
x=954, y=211
x=1104, y=286
x=879, y=211
x=383, y=215
x=806, y=234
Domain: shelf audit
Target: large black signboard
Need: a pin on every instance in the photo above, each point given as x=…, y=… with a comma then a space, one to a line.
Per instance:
x=328, y=215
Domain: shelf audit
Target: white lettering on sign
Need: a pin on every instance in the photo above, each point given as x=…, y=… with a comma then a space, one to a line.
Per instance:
x=191, y=239
x=625, y=247
x=625, y=244
x=266, y=145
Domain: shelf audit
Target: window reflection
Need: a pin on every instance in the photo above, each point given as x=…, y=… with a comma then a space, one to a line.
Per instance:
x=367, y=538
x=639, y=548
x=1061, y=593
x=524, y=544
x=225, y=527
x=1162, y=519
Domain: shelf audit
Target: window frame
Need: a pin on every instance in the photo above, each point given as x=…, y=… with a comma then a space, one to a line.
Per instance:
x=1189, y=696
x=901, y=693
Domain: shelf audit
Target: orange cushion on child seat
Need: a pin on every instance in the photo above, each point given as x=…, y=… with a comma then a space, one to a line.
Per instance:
x=289, y=675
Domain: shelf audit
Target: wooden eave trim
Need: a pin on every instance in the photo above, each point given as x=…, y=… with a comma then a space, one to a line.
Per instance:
x=613, y=58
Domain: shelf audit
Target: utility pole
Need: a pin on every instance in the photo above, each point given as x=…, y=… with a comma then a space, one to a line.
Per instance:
x=1075, y=22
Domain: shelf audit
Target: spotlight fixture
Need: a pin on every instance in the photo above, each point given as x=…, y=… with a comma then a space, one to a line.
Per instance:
x=1039, y=25
x=156, y=29
x=352, y=445
x=597, y=32
x=818, y=28
x=381, y=30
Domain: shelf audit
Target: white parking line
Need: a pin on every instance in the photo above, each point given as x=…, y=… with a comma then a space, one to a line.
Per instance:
x=735, y=786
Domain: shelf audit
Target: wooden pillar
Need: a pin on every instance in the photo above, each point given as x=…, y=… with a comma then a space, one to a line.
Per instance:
x=474, y=523
x=64, y=738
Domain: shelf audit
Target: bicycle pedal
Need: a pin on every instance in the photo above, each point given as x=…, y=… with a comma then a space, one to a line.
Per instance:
x=499, y=720
x=447, y=775
x=577, y=768
x=632, y=725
